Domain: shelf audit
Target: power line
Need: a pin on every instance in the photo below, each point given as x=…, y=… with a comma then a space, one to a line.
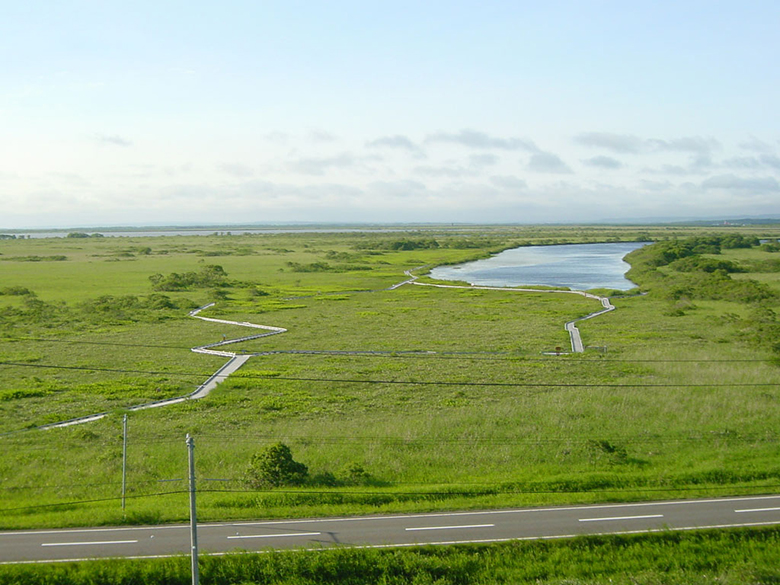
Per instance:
x=84, y=485
x=323, y=439
x=507, y=384
x=491, y=492
x=395, y=382
x=92, y=501
x=109, y=370
x=100, y=343
x=403, y=442
x=409, y=354
x=445, y=493
x=157, y=439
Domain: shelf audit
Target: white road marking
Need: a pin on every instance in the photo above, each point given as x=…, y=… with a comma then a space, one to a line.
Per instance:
x=275, y=535
x=416, y=544
x=621, y=518
x=758, y=510
x=117, y=529
x=497, y=512
x=401, y=516
x=93, y=542
x=452, y=527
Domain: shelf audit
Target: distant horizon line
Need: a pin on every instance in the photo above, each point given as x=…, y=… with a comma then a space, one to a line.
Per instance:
x=358, y=224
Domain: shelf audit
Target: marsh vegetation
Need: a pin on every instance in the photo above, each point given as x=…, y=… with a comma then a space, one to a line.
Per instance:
x=445, y=399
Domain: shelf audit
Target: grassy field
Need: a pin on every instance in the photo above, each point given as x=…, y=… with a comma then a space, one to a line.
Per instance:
x=457, y=408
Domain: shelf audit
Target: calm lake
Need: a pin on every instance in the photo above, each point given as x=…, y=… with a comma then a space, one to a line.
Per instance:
x=576, y=266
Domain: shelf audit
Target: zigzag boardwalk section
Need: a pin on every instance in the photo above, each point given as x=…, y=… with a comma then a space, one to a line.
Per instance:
x=236, y=361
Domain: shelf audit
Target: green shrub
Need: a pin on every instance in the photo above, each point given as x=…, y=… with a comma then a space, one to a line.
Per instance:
x=275, y=467
x=209, y=276
x=19, y=291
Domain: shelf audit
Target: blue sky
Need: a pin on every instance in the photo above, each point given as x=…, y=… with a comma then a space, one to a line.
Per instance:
x=143, y=113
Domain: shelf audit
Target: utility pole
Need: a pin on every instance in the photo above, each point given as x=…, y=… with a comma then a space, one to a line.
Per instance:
x=193, y=517
x=124, y=459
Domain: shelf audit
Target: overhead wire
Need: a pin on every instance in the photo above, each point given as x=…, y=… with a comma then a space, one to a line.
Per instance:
x=393, y=382
x=445, y=493
x=407, y=354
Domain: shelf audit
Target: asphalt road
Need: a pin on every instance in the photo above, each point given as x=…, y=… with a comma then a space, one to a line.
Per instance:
x=390, y=531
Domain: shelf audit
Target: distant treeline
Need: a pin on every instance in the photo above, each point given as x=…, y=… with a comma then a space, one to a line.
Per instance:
x=84, y=235
x=685, y=268
x=426, y=244
x=666, y=252
x=684, y=271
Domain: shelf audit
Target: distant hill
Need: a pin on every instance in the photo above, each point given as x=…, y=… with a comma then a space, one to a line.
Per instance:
x=728, y=222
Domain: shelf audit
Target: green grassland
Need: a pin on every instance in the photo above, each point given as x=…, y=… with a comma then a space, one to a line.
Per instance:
x=458, y=406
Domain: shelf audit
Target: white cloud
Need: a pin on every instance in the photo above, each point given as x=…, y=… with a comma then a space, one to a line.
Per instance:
x=236, y=170
x=753, y=162
x=603, y=162
x=113, y=140
x=481, y=140
x=509, y=182
x=67, y=179
x=396, y=141
x=466, y=177
x=276, y=137
x=483, y=160
x=450, y=172
x=694, y=144
x=630, y=144
x=661, y=186
x=742, y=162
x=770, y=160
x=320, y=165
x=619, y=143
x=547, y=162
x=322, y=136
x=742, y=184
x=756, y=145
x=396, y=189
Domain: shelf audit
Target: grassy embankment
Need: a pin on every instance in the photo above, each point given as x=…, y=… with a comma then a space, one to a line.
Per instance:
x=487, y=421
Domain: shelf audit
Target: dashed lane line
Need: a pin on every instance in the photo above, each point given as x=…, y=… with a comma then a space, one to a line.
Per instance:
x=242, y=536
x=88, y=543
x=451, y=527
x=646, y=516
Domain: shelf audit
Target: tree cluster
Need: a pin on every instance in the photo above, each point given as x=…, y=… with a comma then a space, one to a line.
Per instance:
x=210, y=276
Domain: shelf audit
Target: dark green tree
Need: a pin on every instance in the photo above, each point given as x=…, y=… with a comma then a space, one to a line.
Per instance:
x=275, y=466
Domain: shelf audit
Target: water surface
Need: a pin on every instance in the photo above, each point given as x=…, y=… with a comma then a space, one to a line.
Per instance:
x=575, y=266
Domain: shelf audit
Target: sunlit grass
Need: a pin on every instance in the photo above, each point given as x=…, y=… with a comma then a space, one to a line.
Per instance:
x=661, y=406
